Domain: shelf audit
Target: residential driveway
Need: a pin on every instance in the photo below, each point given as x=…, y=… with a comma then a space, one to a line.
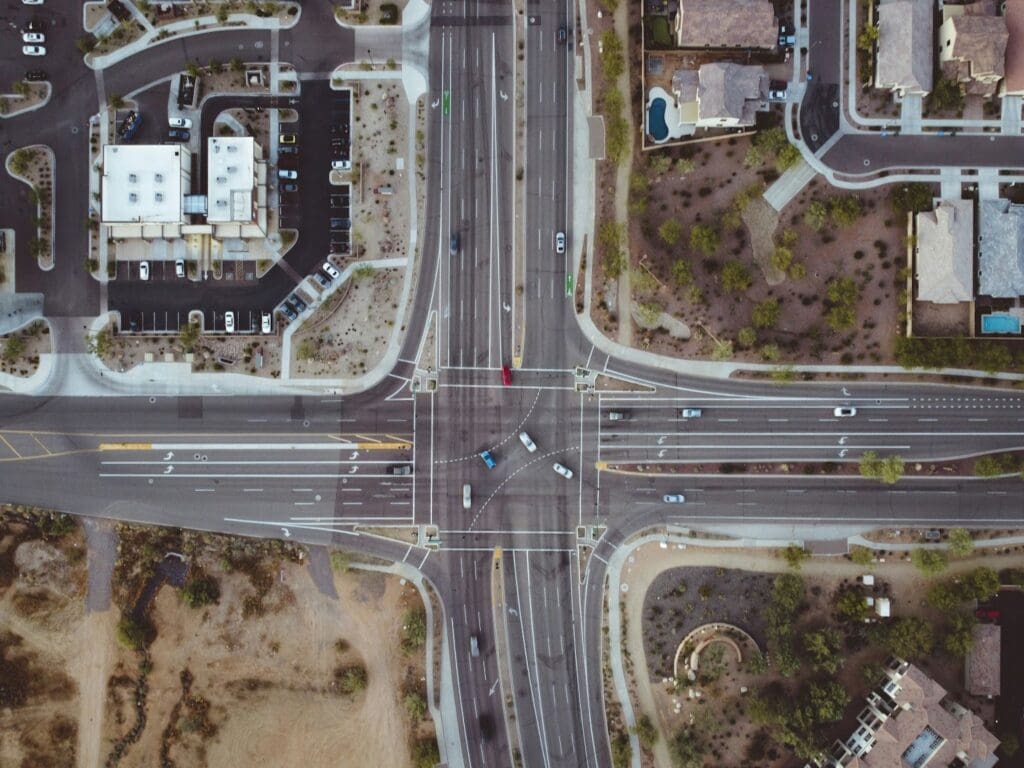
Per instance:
x=1010, y=705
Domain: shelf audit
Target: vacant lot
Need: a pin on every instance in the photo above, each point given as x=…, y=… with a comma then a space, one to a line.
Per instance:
x=820, y=282
x=266, y=668
x=42, y=583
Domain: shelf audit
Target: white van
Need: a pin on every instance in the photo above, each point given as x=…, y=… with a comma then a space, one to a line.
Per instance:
x=467, y=496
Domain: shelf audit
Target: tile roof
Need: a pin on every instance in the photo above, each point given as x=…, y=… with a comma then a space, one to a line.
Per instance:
x=731, y=91
x=981, y=40
x=982, y=668
x=905, y=37
x=1013, y=13
x=945, y=253
x=727, y=24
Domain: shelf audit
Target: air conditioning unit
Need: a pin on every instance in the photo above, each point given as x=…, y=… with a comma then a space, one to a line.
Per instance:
x=132, y=197
x=133, y=179
x=159, y=197
x=158, y=178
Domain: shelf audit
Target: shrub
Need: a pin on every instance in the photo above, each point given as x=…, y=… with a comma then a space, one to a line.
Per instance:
x=646, y=732
x=351, y=679
x=766, y=313
x=130, y=634
x=844, y=210
x=735, y=277
x=705, y=239
x=199, y=591
x=960, y=542
x=414, y=630
x=816, y=215
x=795, y=556
x=670, y=231
x=682, y=272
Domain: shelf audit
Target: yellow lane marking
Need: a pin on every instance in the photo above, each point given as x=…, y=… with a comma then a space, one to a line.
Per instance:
x=126, y=446
x=10, y=446
x=383, y=446
x=368, y=437
x=56, y=455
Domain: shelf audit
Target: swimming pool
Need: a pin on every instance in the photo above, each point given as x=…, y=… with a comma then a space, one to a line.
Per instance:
x=1000, y=322
x=656, y=125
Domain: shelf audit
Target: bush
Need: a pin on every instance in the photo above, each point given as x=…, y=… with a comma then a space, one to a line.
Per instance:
x=705, y=239
x=130, y=634
x=670, y=231
x=686, y=750
x=911, y=198
x=960, y=542
x=646, y=732
x=416, y=706
x=414, y=630
x=612, y=59
x=14, y=348
x=622, y=752
x=351, y=679
x=844, y=210
x=736, y=277
x=841, y=299
x=861, y=555
x=682, y=272
x=199, y=591
x=816, y=215
x=425, y=753
x=795, y=556
x=889, y=470
x=766, y=313
x=341, y=561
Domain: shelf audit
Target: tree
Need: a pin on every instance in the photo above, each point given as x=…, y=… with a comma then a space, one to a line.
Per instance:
x=216, y=67
x=889, y=470
x=867, y=38
x=910, y=198
x=222, y=13
x=14, y=348
x=705, y=239
x=130, y=634
x=766, y=313
x=960, y=638
x=200, y=590
x=982, y=583
x=193, y=69
x=670, y=231
x=931, y=562
x=816, y=215
x=753, y=158
x=86, y=44
x=945, y=596
x=686, y=750
x=188, y=336
x=823, y=650
x=622, y=752
x=21, y=88
x=415, y=705
x=946, y=95
x=425, y=753
x=351, y=679
x=771, y=140
x=735, y=277
x=960, y=542
x=787, y=157
x=908, y=637
x=827, y=701
x=851, y=605
x=646, y=732
x=795, y=556
x=841, y=297
x=844, y=210
x=682, y=273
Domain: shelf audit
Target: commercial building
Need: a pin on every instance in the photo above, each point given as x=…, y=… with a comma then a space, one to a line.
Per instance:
x=236, y=188
x=143, y=190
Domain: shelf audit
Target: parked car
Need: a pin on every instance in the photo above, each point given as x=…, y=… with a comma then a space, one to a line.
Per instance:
x=287, y=138
x=229, y=322
x=331, y=270
x=506, y=376
x=525, y=440
x=488, y=459
x=290, y=150
x=33, y=50
x=31, y=2
x=673, y=498
x=290, y=187
x=562, y=470
x=778, y=92
x=560, y=242
x=143, y=270
x=341, y=224
x=267, y=323
x=296, y=301
x=288, y=312
x=616, y=415
x=339, y=201
x=179, y=122
x=844, y=411
x=36, y=75
x=467, y=496
x=341, y=165
x=284, y=173
x=691, y=413
x=179, y=268
x=340, y=246
x=178, y=134
x=33, y=37
x=322, y=279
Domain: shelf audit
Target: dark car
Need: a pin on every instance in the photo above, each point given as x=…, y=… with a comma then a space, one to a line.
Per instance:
x=341, y=223
x=35, y=75
x=290, y=313
x=339, y=201
x=178, y=134
x=288, y=149
x=563, y=34
x=290, y=187
x=324, y=280
x=297, y=302
x=453, y=245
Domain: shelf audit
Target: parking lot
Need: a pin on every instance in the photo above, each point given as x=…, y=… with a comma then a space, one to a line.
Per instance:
x=319, y=211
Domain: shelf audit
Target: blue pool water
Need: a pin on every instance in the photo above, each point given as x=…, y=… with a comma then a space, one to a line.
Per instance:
x=1000, y=323
x=656, y=125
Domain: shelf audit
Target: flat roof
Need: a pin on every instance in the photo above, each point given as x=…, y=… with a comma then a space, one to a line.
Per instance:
x=144, y=182
x=231, y=178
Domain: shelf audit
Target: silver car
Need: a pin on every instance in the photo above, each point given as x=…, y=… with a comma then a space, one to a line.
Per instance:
x=563, y=471
x=525, y=440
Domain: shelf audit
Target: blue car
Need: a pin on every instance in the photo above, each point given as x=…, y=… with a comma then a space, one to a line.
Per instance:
x=488, y=459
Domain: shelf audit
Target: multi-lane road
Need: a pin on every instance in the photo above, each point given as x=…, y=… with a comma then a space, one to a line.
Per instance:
x=318, y=468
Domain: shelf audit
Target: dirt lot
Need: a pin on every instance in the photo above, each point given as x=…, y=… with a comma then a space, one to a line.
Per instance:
x=42, y=585
x=275, y=672
x=672, y=591
x=348, y=335
x=707, y=250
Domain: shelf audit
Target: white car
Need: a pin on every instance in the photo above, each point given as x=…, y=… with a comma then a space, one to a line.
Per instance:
x=143, y=270
x=229, y=322
x=286, y=174
x=179, y=267
x=467, y=496
x=673, y=498
x=33, y=37
x=560, y=242
x=33, y=50
x=525, y=440
x=691, y=413
x=331, y=270
x=563, y=471
x=341, y=165
x=180, y=122
x=31, y=2
x=266, y=322
x=844, y=411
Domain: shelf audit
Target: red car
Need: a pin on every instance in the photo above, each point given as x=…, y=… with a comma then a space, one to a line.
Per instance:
x=506, y=376
x=987, y=614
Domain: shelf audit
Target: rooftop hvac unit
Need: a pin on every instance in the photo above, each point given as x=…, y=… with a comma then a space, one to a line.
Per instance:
x=232, y=169
x=158, y=178
x=133, y=179
x=132, y=197
x=222, y=179
x=232, y=148
x=222, y=203
x=159, y=197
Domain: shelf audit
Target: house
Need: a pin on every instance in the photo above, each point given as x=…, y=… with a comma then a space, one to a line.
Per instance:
x=721, y=94
x=981, y=672
x=908, y=721
x=972, y=46
x=1013, y=79
x=1000, y=249
x=944, y=260
x=726, y=24
x=905, y=35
